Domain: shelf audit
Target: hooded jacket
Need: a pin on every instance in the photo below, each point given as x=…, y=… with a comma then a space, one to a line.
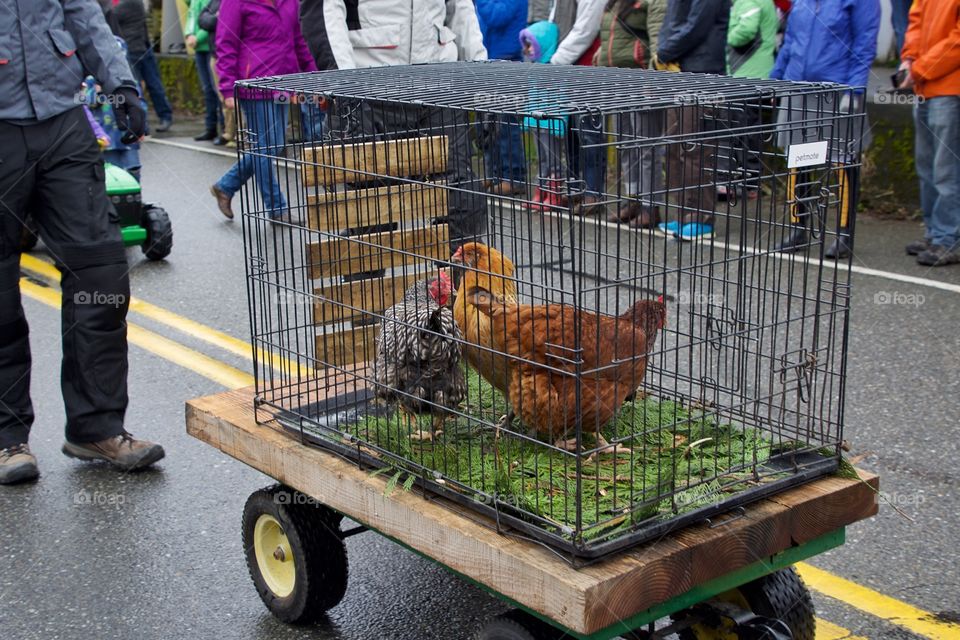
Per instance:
x=47, y=48
x=379, y=33
x=624, y=38
x=933, y=42
x=257, y=38
x=694, y=34
x=501, y=22
x=829, y=41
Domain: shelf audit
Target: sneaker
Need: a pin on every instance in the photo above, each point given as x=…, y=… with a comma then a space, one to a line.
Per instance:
x=287, y=217
x=223, y=201
x=504, y=188
x=939, y=256
x=669, y=229
x=647, y=219
x=917, y=247
x=206, y=135
x=587, y=205
x=164, y=125
x=219, y=141
x=122, y=451
x=694, y=231
x=17, y=464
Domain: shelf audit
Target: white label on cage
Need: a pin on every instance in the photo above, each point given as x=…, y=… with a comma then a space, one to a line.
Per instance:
x=808, y=154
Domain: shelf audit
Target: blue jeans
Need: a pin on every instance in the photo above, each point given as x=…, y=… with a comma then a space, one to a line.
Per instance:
x=938, y=166
x=145, y=70
x=211, y=100
x=900, y=18
x=311, y=121
x=267, y=122
x=503, y=156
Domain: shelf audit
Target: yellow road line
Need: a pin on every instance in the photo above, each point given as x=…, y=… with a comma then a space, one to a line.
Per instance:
x=208, y=367
x=829, y=631
x=851, y=593
x=219, y=339
x=877, y=604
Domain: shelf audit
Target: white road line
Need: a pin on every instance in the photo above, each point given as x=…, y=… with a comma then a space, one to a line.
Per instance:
x=864, y=271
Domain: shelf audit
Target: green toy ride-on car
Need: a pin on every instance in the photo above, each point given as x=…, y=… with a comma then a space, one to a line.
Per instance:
x=141, y=224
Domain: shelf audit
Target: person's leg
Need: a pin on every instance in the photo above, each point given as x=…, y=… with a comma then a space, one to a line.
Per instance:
x=467, y=205
x=87, y=248
x=924, y=152
x=311, y=120
x=151, y=76
x=512, y=156
x=268, y=122
x=900, y=18
x=16, y=185
x=211, y=101
x=941, y=175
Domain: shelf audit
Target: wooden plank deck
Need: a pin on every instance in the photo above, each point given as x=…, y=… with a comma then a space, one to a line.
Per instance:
x=584, y=600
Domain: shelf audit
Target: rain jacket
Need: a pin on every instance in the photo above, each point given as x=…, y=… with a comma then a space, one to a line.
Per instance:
x=656, y=14
x=829, y=41
x=192, y=28
x=752, y=38
x=933, y=42
x=694, y=34
x=379, y=33
x=257, y=38
x=624, y=40
x=501, y=22
x=47, y=47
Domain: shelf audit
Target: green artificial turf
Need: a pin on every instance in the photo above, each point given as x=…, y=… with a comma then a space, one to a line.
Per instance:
x=682, y=459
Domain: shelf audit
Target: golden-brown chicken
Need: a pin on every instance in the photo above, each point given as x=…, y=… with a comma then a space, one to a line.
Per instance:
x=545, y=343
x=489, y=269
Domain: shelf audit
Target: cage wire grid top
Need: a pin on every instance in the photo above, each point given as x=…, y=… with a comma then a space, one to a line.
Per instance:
x=529, y=89
x=745, y=383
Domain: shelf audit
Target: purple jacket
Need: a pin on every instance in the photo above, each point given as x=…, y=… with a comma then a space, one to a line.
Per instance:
x=257, y=38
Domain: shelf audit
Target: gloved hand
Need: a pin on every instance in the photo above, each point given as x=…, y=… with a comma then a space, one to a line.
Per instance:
x=131, y=118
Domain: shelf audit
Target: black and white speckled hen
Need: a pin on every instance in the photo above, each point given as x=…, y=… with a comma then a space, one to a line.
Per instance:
x=418, y=355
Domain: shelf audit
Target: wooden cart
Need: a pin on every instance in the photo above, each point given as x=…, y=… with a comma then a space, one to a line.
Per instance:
x=725, y=578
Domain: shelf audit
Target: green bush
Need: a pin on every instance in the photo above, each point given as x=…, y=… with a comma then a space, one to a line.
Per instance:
x=179, y=75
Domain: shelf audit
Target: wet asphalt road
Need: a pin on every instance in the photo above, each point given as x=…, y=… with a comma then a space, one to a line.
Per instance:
x=90, y=553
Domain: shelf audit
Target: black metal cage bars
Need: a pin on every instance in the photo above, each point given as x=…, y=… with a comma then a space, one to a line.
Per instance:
x=554, y=294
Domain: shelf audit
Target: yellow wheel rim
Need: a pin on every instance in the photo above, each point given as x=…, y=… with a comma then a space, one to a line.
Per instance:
x=274, y=556
x=725, y=631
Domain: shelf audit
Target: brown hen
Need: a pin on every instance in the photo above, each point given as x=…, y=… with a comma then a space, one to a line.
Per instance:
x=543, y=343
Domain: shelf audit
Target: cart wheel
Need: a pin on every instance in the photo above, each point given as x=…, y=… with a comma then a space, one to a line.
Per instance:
x=159, y=240
x=295, y=554
x=778, y=596
x=519, y=625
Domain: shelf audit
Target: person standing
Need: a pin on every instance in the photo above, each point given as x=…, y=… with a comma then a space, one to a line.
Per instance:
x=694, y=38
x=198, y=40
x=51, y=163
x=827, y=41
x=129, y=21
x=253, y=40
x=900, y=19
x=931, y=64
x=505, y=165
x=751, y=47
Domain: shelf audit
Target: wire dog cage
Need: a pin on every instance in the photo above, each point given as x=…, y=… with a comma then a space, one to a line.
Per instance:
x=553, y=294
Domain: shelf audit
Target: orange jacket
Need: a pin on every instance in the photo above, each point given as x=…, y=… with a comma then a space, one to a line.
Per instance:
x=933, y=42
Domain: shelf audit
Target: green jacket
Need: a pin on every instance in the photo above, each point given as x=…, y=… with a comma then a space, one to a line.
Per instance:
x=656, y=14
x=752, y=38
x=624, y=41
x=192, y=28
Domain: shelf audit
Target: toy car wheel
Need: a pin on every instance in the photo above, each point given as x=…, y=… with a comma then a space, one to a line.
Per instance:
x=159, y=240
x=778, y=596
x=519, y=625
x=295, y=553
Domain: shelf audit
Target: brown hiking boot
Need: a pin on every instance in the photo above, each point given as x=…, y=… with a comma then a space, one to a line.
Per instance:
x=17, y=464
x=122, y=451
x=223, y=201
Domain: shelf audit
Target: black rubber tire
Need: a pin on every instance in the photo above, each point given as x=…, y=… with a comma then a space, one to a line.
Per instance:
x=159, y=240
x=320, y=557
x=779, y=596
x=519, y=625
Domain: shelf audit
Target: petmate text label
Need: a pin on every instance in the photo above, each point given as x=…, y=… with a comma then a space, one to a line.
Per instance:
x=807, y=155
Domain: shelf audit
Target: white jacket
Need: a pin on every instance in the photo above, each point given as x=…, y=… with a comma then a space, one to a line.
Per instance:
x=585, y=30
x=395, y=32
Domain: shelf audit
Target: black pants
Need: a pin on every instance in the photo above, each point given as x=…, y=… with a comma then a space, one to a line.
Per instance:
x=53, y=170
